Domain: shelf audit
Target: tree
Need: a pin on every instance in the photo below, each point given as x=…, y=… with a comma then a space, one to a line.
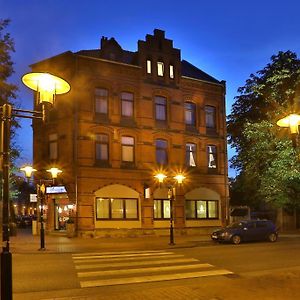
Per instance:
x=267, y=163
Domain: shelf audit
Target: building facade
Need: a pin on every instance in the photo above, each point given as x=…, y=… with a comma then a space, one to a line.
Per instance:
x=128, y=116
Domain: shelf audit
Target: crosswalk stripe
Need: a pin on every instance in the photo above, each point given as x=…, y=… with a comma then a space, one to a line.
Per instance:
x=114, y=253
x=122, y=255
x=124, y=259
x=135, y=263
x=152, y=278
x=143, y=270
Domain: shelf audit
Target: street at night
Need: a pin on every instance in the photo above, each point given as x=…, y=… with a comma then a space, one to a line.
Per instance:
x=222, y=271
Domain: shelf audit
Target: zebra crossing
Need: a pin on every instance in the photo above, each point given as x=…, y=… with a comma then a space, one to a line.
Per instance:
x=128, y=267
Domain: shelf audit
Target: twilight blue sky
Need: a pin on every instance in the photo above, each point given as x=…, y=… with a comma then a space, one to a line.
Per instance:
x=227, y=39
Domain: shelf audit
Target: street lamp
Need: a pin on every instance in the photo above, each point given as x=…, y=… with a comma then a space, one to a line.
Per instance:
x=41, y=189
x=47, y=86
x=178, y=179
x=291, y=121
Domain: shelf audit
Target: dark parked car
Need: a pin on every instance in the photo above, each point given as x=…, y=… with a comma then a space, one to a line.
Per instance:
x=246, y=230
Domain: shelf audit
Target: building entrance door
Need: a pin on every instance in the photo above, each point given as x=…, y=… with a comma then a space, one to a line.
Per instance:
x=61, y=214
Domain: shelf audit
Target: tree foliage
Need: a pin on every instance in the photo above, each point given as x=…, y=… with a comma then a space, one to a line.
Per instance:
x=267, y=163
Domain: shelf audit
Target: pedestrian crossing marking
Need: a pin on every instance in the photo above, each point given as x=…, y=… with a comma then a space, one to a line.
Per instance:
x=128, y=267
x=152, y=278
x=123, y=255
x=142, y=270
x=123, y=259
x=129, y=264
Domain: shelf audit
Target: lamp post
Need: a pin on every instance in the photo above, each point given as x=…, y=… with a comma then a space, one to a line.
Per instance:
x=291, y=121
x=47, y=86
x=41, y=190
x=178, y=179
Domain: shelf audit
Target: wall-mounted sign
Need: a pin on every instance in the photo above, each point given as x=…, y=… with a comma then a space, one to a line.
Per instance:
x=55, y=189
x=33, y=198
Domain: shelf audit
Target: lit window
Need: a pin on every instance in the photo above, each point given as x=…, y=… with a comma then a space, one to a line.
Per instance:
x=162, y=209
x=171, y=71
x=101, y=101
x=201, y=209
x=212, y=156
x=127, y=149
x=160, y=68
x=190, y=113
x=149, y=66
x=101, y=147
x=53, y=146
x=161, y=152
x=127, y=104
x=116, y=208
x=190, y=155
x=160, y=108
x=210, y=117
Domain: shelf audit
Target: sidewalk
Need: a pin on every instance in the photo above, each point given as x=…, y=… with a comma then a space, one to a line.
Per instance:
x=25, y=242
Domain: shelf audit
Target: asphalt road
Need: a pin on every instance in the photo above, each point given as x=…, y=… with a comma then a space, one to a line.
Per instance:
x=247, y=271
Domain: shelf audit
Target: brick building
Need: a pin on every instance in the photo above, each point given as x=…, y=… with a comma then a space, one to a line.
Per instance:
x=128, y=116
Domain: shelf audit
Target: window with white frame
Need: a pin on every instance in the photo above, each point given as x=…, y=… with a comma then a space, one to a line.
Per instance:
x=190, y=113
x=127, y=104
x=160, y=108
x=102, y=147
x=190, y=154
x=127, y=148
x=210, y=117
x=53, y=146
x=162, y=209
x=116, y=208
x=161, y=151
x=171, y=71
x=149, y=66
x=212, y=156
x=101, y=101
x=201, y=209
x=160, y=68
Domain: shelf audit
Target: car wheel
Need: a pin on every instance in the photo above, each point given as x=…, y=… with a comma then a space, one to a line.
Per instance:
x=236, y=239
x=272, y=237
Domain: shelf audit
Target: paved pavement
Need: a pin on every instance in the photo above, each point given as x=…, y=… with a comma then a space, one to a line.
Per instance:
x=25, y=242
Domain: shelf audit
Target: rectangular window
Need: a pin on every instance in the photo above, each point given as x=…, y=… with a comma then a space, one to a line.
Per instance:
x=190, y=155
x=161, y=152
x=171, y=71
x=201, y=209
x=102, y=147
x=149, y=63
x=127, y=149
x=210, y=117
x=127, y=104
x=160, y=68
x=116, y=208
x=101, y=101
x=212, y=156
x=160, y=108
x=53, y=146
x=162, y=209
x=190, y=113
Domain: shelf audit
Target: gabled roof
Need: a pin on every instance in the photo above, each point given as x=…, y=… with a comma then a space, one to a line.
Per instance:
x=189, y=70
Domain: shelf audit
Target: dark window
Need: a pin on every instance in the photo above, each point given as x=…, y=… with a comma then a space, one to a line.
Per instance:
x=212, y=157
x=101, y=101
x=190, y=155
x=116, y=208
x=127, y=104
x=53, y=146
x=210, y=117
x=102, y=147
x=160, y=108
x=201, y=209
x=190, y=113
x=161, y=152
x=162, y=209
